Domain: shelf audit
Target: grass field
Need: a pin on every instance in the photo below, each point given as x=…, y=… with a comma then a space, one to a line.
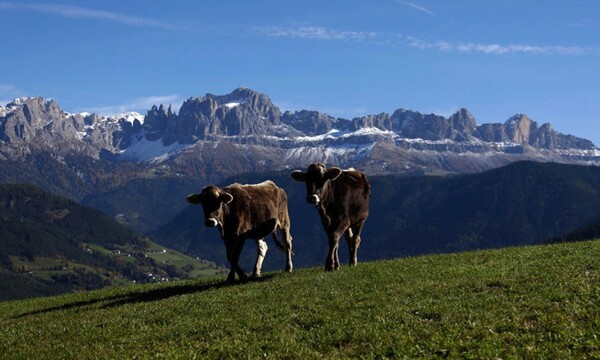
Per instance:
x=529, y=302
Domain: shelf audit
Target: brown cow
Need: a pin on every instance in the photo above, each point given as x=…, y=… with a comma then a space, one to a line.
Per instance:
x=342, y=199
x=243, y=212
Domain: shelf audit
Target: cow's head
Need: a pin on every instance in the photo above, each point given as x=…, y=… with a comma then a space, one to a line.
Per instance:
x=212, y=199
x=315, y=177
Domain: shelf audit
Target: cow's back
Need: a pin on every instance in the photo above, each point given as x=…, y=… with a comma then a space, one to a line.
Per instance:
x=351, y=193
x=256, y=204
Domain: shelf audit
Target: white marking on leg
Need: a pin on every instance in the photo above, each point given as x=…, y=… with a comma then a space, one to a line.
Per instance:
x=261, y=251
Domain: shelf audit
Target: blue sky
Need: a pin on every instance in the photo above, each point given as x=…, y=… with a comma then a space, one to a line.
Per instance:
x=346, y=58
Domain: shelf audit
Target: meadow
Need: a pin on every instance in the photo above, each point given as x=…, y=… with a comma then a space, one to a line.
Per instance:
x=526, y=302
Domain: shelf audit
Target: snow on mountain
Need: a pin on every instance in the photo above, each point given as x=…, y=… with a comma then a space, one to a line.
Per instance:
x=19, y=101
x=331, y=134
x=128, y=116
x=231, y=105
x=142, y=149
x=328, y=154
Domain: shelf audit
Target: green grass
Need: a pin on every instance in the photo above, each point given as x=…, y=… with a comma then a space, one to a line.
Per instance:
x=40, y=263
x=530, y=302
x=199, y=268
x=43, y=267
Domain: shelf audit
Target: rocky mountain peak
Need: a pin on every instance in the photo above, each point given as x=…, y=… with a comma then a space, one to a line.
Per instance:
x=519, y=128
x=37, y=111
x=241, y=112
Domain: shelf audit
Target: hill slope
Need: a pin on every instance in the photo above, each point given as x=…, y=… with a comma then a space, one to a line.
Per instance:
x=539, y=302
x=50, y=245
x=524, y=203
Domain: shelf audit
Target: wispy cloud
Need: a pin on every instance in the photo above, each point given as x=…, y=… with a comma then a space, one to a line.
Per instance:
x=140, y=105
x=415, y=6
x=496, y=49
x=82, y=12
x=384, y=38
x=314, y=32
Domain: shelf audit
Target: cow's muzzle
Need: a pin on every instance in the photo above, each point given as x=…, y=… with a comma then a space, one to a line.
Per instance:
x=211, y=222
x=313, y=199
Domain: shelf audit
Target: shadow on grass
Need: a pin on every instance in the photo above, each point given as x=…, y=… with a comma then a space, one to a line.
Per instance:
x=142, y=296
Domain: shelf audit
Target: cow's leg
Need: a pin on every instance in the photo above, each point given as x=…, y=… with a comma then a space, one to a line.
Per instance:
x=350, y=238
x=229, y=251
x=233, y=255
x=261, y=251
x=354, y=241
x=332, y=262
x=287, y=244
x=336, y=262
x=238, y=269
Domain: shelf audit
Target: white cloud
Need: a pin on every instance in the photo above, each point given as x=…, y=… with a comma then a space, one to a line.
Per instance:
x=82, y=12
x=140, y=105
x=315, y=33
x=415, y=6
x=388, y=39
x=498, y=49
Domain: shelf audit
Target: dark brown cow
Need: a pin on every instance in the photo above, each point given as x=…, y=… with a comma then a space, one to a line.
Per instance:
x=342, y=199
x=243, y=212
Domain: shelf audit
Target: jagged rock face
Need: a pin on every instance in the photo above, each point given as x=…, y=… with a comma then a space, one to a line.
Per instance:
x=29, y=115
x=157, y=121
x=243, y=112
x=311, y=122
x=382, y=121
x=32, y=125
x=414, y=125
x=520, y=129
x=36, y=124
x=463, y=125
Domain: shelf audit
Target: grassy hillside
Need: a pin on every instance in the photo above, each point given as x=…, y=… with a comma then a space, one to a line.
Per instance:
x=538, y=302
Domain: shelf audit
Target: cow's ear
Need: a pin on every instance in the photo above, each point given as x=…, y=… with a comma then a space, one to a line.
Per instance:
x=298, y=175
x=333, y=173
x=226, y=198
x=194, y=198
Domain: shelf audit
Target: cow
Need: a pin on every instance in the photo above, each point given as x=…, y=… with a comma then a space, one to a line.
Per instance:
x=342, y=200
x=243, y=212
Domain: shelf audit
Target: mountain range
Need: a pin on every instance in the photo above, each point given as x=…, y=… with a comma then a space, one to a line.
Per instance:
x=215, y=136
